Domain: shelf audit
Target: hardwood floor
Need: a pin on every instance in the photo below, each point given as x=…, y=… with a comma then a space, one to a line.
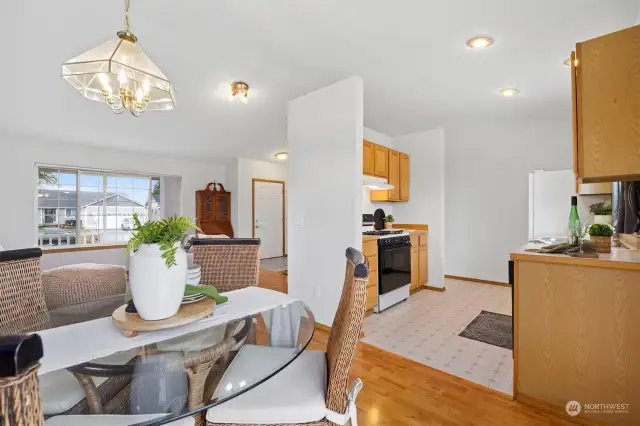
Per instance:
x=398, y=391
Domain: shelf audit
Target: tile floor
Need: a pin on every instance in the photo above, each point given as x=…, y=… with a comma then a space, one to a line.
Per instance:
x=425, y=329
x=274, y=263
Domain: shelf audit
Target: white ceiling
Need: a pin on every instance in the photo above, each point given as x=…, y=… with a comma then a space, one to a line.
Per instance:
x=411, y=54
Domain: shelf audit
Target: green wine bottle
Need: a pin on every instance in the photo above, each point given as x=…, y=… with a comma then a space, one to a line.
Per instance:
x=574, y=222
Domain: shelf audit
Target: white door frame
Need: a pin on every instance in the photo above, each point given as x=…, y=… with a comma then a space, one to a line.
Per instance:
x=253, y=208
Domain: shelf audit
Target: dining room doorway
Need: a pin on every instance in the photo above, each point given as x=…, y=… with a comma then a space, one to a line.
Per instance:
x=268, y=217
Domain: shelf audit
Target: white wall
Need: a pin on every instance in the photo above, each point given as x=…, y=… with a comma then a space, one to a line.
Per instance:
x=427, y=196
x=380, y=139
x=19, y=173
x=247, y=170
x=324, y=131
x=487, y=164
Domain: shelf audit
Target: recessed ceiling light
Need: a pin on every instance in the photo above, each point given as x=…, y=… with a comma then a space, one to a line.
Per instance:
x=281, y=155
x=509, y=92
x=481, y=42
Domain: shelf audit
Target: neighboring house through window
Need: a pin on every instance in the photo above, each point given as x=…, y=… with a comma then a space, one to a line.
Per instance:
x=105, y=203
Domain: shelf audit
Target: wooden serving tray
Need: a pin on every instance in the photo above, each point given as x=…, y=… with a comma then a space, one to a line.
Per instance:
x=131, y=324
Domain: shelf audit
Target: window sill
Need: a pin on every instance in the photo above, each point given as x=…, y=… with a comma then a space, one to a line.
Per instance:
x=83, y=247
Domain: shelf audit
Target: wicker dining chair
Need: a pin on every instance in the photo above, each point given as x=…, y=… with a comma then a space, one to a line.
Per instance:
x=22, y=304
x=227, y=263
x=83, y=282
x=301, y=394
x=23, y=309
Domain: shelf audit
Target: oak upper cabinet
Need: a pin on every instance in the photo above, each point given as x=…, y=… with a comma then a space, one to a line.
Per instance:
x=380, y=161
x=403, y=194
x=367, y=158
x=606, y=107
x=394, y=175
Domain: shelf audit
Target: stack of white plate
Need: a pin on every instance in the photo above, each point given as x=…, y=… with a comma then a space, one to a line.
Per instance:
x=193, y=298
x=193, y=275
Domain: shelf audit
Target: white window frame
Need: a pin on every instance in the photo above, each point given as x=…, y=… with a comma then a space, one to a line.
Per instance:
x=105, y=173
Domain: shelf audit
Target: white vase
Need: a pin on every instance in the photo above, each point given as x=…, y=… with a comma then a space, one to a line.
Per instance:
x=156, y=289
x=603, y=219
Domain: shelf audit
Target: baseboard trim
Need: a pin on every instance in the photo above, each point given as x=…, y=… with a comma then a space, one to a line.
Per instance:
x=556, y=411
x=476, y=280
x=428, y=287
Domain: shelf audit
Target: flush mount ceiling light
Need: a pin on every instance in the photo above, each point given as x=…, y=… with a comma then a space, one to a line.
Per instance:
x=481, y=42
x=509, y=92
x=120, y=74
x=281, y=155
x=239, y=89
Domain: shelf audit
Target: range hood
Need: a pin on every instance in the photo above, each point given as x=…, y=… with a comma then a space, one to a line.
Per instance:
x=375, y=183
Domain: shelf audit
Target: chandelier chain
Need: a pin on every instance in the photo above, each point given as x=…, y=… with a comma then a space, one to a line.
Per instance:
x=126, y=15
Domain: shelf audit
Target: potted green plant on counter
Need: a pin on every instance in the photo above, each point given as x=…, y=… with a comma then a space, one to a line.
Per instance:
x=602, y=213
x=600, y=234
x=158, y=266
x=388, y=221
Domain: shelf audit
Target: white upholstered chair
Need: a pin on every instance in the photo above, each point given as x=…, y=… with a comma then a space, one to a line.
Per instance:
x=312, y=390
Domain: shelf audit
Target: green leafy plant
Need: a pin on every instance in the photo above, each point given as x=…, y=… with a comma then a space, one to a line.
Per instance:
x=600, y=230
x=601, y=209
x=389, y=219
x=166, y=233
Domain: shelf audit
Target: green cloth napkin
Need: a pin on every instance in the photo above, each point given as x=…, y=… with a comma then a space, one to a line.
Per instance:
x=207, y=290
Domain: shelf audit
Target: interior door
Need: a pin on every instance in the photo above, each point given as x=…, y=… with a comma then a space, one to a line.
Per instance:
x=269, y=217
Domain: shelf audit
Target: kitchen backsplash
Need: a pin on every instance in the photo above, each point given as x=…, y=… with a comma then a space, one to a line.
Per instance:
x=368, y=207
x=584, y=201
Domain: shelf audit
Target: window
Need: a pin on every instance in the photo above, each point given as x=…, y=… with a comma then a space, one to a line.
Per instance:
x=89, y=207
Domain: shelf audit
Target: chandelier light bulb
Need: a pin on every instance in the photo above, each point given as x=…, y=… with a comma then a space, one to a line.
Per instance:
x=139, y=94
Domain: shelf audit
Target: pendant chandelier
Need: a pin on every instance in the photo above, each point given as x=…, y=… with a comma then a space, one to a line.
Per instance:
x=119, y=74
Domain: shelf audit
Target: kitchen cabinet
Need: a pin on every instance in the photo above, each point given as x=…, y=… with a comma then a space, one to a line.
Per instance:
x=381, y=161
x=404, y=177
x=397, y=173
x=415, y=281
x=423, y=265
x=605, y=87
x=370, y=249
x=367, y=158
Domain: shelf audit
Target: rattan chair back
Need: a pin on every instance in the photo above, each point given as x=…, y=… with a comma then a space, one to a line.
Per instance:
x=227, y=263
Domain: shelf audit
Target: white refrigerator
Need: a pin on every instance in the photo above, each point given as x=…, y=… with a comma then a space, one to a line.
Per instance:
x=550, y=195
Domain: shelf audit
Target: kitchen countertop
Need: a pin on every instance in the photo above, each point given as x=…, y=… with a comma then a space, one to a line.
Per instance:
x=619, y=258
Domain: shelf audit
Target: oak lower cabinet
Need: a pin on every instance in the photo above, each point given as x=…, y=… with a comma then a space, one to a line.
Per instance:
x=415, y=282
x=606, y=107
x=370, y=249
x=423, y=265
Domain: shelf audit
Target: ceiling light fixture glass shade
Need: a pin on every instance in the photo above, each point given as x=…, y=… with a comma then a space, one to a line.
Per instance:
x=509, y=92
x=281, y=155
x=480, y=42
x=120, y=74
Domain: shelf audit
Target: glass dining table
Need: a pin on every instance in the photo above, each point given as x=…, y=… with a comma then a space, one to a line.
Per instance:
x=159, y=382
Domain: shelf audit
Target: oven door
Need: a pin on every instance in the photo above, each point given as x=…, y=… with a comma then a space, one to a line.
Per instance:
x=394, y=267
